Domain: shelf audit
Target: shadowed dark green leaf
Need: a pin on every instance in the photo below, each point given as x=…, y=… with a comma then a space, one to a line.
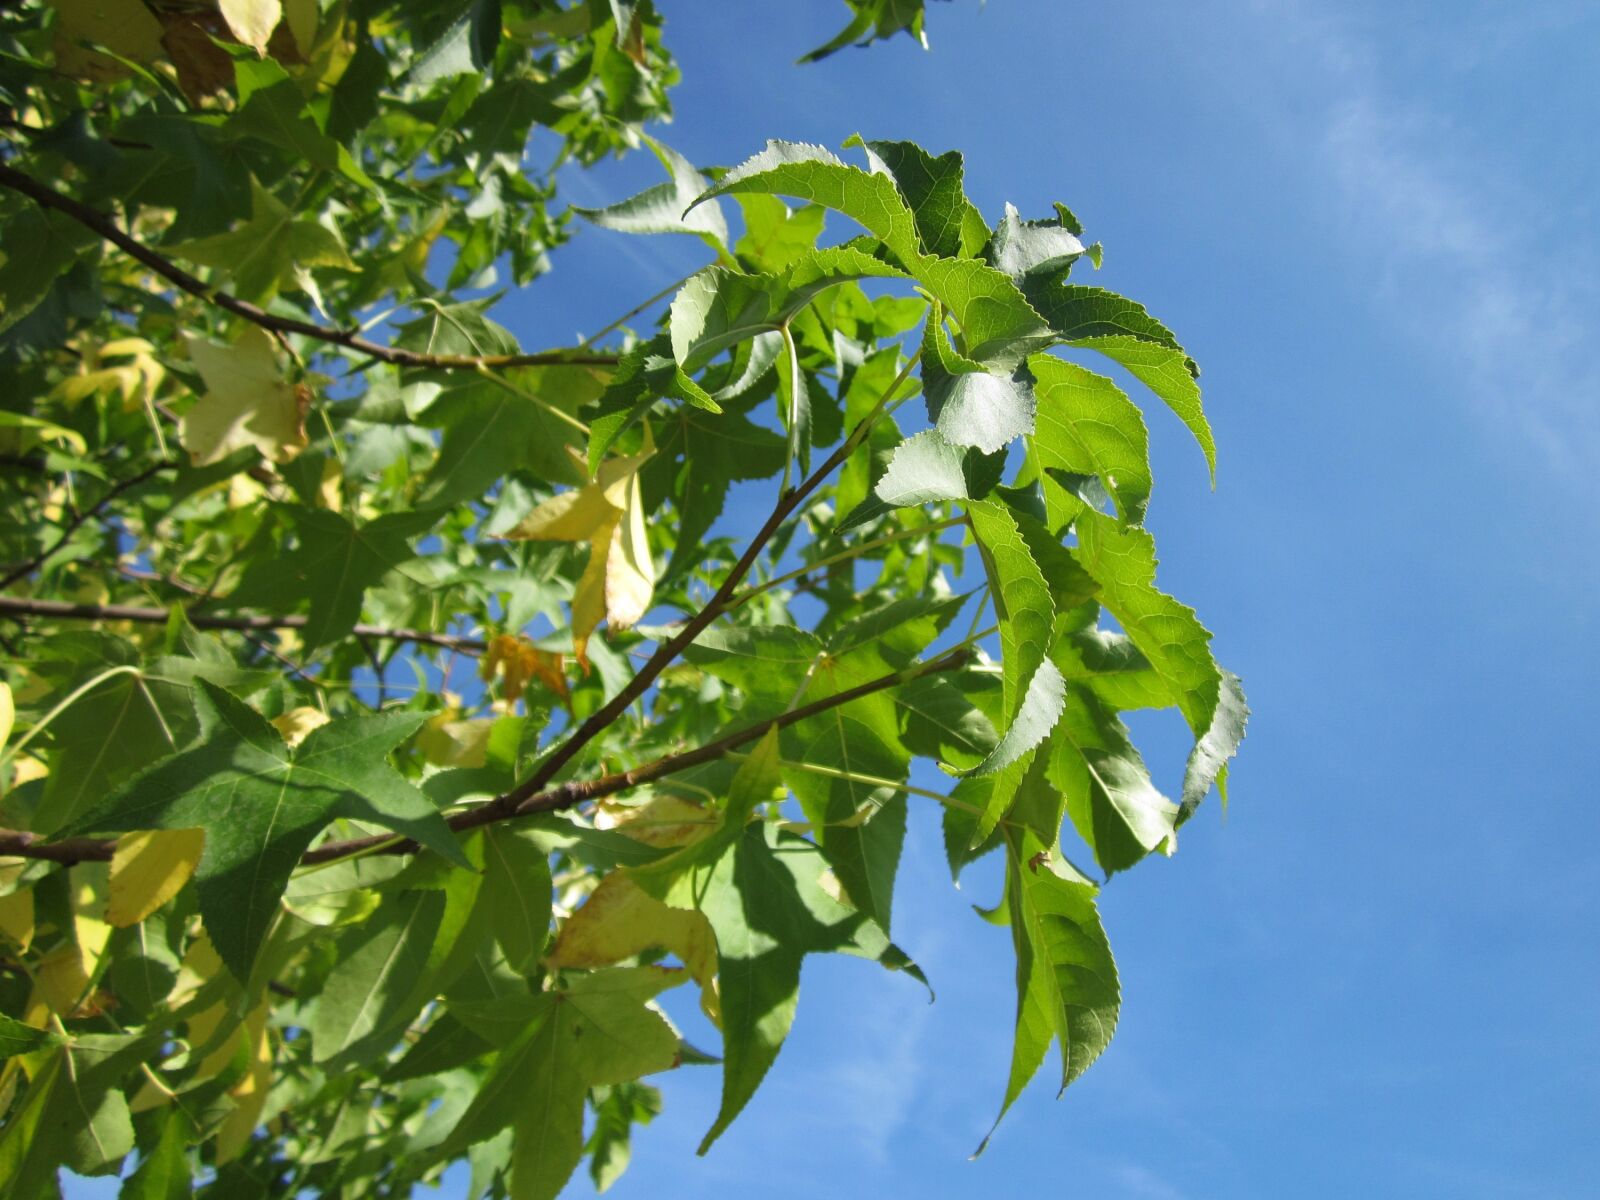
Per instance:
x=330, y=568
x=1113, y=804
x=261, y=805
x=874, y=19
x=949, y=225
x=369, y=994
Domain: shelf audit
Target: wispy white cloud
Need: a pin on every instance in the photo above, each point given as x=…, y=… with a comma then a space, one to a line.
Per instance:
x=1141, y=1183
x=1466, y=263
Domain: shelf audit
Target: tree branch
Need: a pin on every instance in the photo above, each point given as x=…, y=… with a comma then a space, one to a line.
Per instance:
x=20, y=606
x=94, y=509
x=17, y=844
x=48, y=197
x=667, y=651
x=568, y=795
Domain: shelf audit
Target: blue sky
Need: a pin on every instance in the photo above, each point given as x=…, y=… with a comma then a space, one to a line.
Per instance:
x=1374, y=226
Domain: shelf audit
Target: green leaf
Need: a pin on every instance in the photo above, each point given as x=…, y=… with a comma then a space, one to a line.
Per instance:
x=267, y=252
x=1041, y=707
x=775, y=235
x=999, y=325
x=1208, y=761
x=330, y=568
x=718, y=308
x=54, y=243
x=517, y=890
x=857, y=814
x=1111, y=666
x=1166, y=632
x=1079, y=314
x=874, y=19
x=814, y=174
x=941, y=723
x=29, y=1156
x=662, y=208
x=163, y=1172
x=465, y=47
x=125, y=723
x=1067, y=988
x=673, y=877
x=1087, y=426
x=1025, y=249
x=74, y=1114
x=765, y=900
x=261, y=806
x=490, y=430
x=1112, y=325
x=456, y=329
x=610, y=1145
x=597, y=1031
x=698, y=457
x=278, y=115
x=370, y=994
x=1022, y=603
x=1175, y=644
x=17, y=1038
x=971, y=406
x=948, y=224
x=925, y=467
x=1166, y=373
x=1032, y=687
x=1113, y=804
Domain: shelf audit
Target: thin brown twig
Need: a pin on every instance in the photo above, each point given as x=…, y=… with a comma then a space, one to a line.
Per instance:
x=71, y=526
x=21, y=606
x=575, y=792
x=669, y=650
x=47, y=197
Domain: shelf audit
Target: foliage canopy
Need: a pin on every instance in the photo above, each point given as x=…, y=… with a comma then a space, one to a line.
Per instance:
x=296, y=899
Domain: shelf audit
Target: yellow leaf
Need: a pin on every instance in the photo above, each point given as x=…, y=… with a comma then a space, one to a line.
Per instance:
x=147, y=869
x=16, y=917
x=200, y=963
x=154, y=1094
x=619, y=920
x=330, y=492
x=252, y=21
x=125, y=27
x=25, y=768
x=446, y=741
x=247, y=402
x=518, y=660
x=8, y=712
x=298, y=722
x=250, y=1093
x=133, y=383
x=62, y=977
x=302, y=17
x=663, y=820
x=608, y=513
x=244, y=491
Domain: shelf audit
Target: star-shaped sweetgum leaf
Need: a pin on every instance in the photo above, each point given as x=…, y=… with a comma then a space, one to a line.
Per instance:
x=332, y=565
x=261, y=804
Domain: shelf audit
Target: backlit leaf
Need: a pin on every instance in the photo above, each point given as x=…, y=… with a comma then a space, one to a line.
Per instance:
x=247, y=402
x=147, y=870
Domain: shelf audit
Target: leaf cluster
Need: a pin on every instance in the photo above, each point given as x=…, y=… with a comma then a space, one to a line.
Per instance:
x=392, y=715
